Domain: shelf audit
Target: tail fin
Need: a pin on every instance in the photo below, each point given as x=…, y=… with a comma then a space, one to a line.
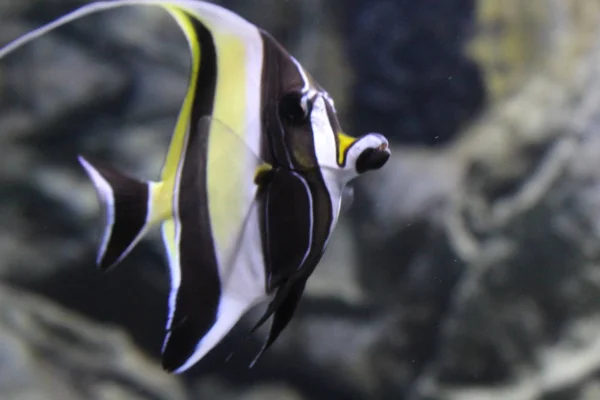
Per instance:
x=128, y=208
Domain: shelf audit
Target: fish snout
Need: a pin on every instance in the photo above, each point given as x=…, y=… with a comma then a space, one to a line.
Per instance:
x=375, y=155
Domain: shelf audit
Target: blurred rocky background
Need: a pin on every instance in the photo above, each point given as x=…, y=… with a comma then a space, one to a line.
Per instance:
x=468, y=268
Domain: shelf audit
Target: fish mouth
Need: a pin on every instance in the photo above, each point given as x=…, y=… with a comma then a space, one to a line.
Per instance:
x=384, y=147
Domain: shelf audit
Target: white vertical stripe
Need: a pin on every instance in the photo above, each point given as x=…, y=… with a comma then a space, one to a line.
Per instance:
x=323, y=135
x=326, y=152
x=302, y=73
x=174, y=260
x=230, y=311
x=254, y=69
x=311, y=218
x=307, y=89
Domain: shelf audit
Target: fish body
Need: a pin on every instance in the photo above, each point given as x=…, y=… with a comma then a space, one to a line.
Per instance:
x=251, y=187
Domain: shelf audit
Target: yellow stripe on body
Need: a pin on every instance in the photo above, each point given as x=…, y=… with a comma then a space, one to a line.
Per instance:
x=163, y=192
x=227, y=172
x=228, y=177
x=169, y=233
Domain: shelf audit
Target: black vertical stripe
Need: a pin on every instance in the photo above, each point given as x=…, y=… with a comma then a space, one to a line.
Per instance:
x=280, y=77
x=285, y=216
x=322, y=216
x=200, y=288
x=284, y=202
x=289, y=147
x=273, y=150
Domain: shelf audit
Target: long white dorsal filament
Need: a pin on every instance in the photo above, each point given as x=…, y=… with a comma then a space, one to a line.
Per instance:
x=82, y=12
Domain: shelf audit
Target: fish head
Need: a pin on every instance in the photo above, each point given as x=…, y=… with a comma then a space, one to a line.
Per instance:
x=315, y=137
x=302, y=126
x=344, y=155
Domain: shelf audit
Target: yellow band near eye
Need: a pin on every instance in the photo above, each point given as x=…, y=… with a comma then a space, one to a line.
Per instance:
x=344, y=143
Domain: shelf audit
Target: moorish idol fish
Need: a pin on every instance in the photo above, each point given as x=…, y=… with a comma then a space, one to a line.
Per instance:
x=251, y=187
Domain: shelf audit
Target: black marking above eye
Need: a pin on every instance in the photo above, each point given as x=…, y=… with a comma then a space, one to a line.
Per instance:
x=294, y=108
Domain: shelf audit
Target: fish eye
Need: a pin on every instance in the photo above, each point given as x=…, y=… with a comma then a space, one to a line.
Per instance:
x=294, y=108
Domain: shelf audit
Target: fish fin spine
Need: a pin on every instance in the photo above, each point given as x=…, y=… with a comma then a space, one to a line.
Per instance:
x=131, y=207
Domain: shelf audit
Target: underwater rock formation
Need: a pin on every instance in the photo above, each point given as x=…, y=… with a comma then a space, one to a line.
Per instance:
x=52, y=354
x=505, y=259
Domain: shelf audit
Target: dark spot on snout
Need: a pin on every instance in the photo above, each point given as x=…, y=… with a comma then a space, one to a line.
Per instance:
x=371, y=159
